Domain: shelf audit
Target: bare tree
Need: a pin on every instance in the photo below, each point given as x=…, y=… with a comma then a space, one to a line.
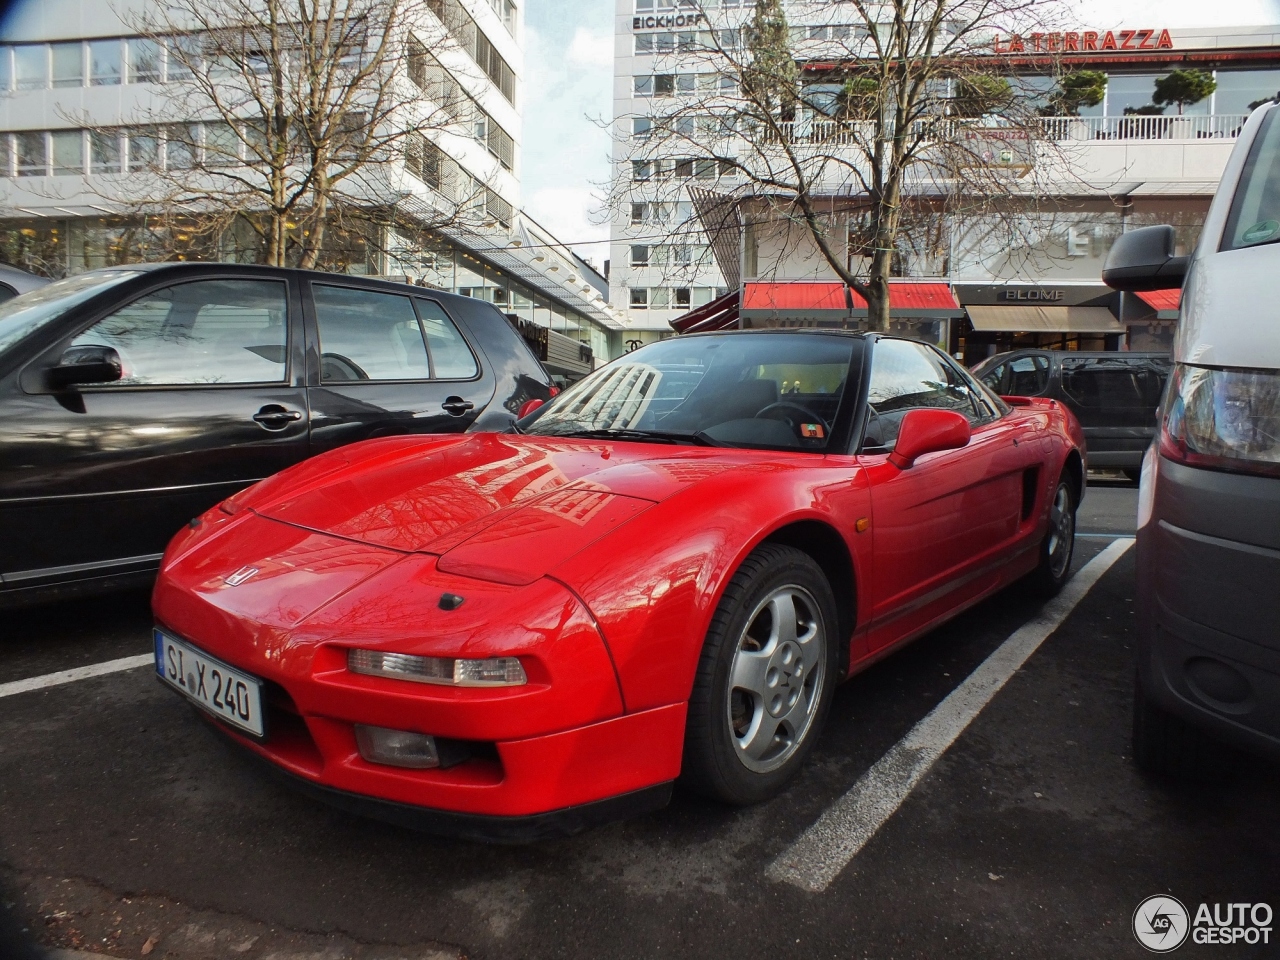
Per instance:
x=284, y=122
x=866, y=137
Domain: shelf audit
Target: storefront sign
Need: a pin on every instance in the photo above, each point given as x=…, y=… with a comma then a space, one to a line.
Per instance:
x=1031, y=294
x=1083, y=41
x=670, y=21
x=535, y=335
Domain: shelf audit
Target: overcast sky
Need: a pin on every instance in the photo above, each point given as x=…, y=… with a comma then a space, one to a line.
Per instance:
x=568, y=84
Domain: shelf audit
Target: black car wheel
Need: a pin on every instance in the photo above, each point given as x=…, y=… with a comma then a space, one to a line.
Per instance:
x=1059, y=543
x=764, y=680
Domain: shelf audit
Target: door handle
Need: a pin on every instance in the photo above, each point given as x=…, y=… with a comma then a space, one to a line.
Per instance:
x=275, y=417
x=456, y=406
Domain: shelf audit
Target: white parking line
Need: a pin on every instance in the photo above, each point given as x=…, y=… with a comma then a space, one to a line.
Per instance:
x=826, y=848
x=78, y=673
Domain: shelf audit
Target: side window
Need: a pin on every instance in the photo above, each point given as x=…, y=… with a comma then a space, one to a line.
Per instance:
x=993, y=377
x=368, y=335
x=202, y=332
x=450, y=354
x=907, y=376
x=1028, y=377
x=1104, y=383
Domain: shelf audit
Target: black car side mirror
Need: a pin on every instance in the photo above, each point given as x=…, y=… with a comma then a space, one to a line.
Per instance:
x=81, y=365
x=1143, y=260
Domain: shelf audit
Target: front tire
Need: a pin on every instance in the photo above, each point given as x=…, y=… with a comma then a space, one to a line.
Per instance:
x=1059, y=544
x=764, y=680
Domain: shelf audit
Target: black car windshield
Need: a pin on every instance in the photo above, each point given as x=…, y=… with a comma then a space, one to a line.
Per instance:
x=768, y=391
x=27, y=313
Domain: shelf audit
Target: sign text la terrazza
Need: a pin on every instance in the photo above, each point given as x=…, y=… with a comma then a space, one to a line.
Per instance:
x=1080, y=41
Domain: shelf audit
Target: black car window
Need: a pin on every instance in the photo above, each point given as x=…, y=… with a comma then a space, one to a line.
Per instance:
x=907, y=376
x=1105, y=383
x=450, y=355
x=993, y=377
x=201, y=332
x=368, y=335
x=1028, y=377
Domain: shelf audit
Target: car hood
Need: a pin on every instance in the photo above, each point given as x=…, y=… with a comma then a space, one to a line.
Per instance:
x=500, y=507
x=1227, y=320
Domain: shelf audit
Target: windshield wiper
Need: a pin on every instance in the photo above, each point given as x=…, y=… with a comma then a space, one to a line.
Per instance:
x=644, y=436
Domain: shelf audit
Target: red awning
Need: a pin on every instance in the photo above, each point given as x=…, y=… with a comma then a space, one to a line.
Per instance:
x=906, y=298
x=1161, y=299
x=719, y=314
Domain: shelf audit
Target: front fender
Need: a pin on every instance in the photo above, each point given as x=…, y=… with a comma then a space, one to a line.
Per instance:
x=653, y=586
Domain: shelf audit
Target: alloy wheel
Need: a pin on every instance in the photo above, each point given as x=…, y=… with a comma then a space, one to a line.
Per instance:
x=1062, y=528
x=775, y=680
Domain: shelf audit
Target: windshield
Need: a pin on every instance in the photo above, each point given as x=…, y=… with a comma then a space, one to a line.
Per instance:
x=769, y=391
x=1255, y=209
x=27, y=313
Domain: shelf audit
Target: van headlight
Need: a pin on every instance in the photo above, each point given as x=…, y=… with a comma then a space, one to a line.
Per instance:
x=1223, y=419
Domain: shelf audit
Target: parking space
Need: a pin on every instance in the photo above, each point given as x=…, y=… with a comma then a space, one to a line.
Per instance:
x=128, y=821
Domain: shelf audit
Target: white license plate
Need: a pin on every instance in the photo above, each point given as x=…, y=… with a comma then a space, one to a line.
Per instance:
x=224, y=691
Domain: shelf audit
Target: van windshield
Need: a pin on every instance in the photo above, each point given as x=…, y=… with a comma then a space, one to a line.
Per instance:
x=25, y=314
x=1255, y=210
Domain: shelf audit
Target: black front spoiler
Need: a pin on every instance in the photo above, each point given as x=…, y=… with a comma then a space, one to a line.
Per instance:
x=564, y=822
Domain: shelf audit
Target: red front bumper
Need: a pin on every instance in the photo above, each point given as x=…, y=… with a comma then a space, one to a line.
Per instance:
x=560, y=741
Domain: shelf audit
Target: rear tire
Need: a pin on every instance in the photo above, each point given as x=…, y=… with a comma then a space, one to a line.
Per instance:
x=1059, y=543
x=1166, y=745
x=764, y=680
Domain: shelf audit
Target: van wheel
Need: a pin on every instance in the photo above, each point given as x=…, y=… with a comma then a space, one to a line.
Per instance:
x=1168, y=746
x=1059, y=544
x=765, y=678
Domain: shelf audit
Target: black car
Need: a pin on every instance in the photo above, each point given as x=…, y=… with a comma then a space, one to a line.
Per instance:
x=134, y=398
x=1113, y=395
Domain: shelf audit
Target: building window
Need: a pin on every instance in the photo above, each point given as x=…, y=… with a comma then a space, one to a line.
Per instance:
x=639, y=213
x=660, y=298
x=641, y=128
x=221, y=145
x=681, y=298
x=639, y=255
x=644, y=44
x=31, y=66
x=68, y=64
x=179, y=148
x=639, y=298
x=641, y=170
x=418, y=64
x=664, y=84
x=143, y=150
x=642, y=86
x=682, y=255
x=144, y=60
x=104, y=151
x=68, y=152
x=31, y=152
x=105, y=63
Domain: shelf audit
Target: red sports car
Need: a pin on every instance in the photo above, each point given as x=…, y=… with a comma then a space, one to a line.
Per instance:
x=662, y=573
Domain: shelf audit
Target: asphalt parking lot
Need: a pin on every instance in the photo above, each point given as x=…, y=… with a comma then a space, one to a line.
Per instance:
x=130, y=828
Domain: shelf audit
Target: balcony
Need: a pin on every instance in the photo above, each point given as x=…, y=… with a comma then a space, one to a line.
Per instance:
x=1051, y=129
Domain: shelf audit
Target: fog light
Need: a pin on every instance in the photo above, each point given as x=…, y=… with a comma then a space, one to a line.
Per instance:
x=494, y=672
x=397, y=748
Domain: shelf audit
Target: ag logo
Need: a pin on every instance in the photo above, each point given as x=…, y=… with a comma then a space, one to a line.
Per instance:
x=1161, y=924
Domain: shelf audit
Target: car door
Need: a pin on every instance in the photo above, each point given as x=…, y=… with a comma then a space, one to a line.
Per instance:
x=1115, y=400
x=940, y=526
x=96, y=479
x=389, y=363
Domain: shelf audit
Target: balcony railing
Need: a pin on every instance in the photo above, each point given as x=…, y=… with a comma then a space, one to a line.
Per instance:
x=1056, y=129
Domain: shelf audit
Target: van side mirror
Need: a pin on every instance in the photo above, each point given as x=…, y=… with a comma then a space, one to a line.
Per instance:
x=928, y=431
x=83, y=365
x=1143, y=260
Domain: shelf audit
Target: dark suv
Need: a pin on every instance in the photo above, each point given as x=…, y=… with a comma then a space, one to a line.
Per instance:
x=134, y=398
x=1113, y=395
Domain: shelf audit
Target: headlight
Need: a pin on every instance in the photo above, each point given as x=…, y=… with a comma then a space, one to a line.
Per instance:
x=1223, y=419
x=494, y=672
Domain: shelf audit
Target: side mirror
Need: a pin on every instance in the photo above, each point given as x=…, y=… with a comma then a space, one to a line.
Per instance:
x=928, y=431
x=1143, y=260
x=528, y=407
x=81, y=365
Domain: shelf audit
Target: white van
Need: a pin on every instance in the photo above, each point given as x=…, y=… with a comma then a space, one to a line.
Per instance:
x=1209, y=505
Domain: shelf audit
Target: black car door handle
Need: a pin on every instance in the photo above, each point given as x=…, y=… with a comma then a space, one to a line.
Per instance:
x=275, y=417
x=456, y=406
